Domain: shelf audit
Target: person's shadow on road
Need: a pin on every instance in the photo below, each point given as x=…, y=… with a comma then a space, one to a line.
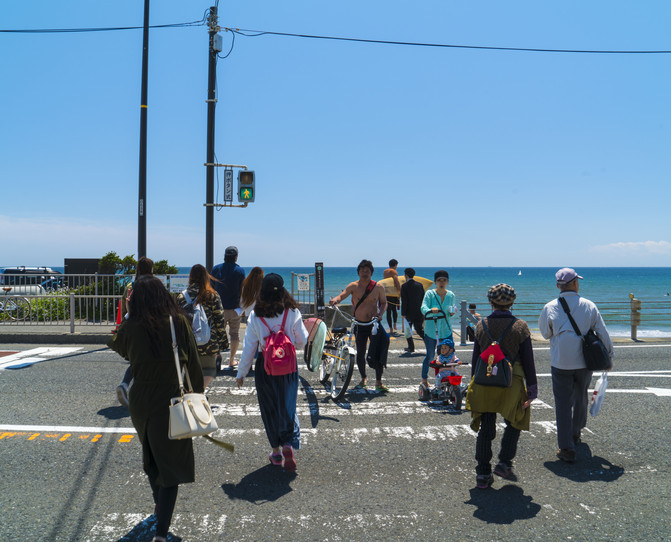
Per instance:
x=587, y=467
x=144, y=532
x=502, y=506
x=266, y=484
x=114, y=412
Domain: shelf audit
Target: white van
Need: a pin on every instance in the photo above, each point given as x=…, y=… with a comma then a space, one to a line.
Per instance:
x=23, y=289
x=24, y=279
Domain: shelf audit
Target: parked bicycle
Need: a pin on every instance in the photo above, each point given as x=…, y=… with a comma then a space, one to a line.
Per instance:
x=333, y=352
x=14, y=307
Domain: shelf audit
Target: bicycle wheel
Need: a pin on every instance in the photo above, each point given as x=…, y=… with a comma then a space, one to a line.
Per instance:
x=457, y=397
x=17, y=308
x=326, y=365
x=342, y=373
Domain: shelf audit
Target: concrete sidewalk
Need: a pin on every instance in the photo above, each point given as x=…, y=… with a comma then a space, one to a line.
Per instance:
x=55, y=334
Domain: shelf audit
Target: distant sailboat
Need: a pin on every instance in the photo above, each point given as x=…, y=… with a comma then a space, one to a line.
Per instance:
x=519, y=273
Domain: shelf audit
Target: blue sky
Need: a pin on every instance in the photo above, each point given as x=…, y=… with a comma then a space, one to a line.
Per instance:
x=433, y=156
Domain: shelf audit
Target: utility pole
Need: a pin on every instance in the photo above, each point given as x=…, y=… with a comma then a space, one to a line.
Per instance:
x=212, y=22
x=142, y=197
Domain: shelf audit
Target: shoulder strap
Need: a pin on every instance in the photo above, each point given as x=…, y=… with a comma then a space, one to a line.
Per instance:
x=265, y=324
x=564, y=305
x=286, y=312
x=505, y=331
x=369, y=289
x=187, y=297
x=438, y=300
x=176, y=355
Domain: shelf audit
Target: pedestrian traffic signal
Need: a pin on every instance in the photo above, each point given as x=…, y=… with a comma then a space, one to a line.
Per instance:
x=246, y=186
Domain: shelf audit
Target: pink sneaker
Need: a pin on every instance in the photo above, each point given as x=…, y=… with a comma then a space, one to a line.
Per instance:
x=276, y=459
x=289, y=460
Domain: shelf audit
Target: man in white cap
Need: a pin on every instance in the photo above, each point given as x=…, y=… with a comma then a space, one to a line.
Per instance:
x=570, y=377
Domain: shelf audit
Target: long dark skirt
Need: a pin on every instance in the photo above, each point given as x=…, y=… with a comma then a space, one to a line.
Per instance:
x=277, y=400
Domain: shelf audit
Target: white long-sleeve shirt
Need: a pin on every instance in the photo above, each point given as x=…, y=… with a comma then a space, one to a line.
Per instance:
x=565, y=344
x=255, y=336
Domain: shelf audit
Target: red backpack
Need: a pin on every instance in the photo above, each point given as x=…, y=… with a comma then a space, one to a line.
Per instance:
x=279, y=354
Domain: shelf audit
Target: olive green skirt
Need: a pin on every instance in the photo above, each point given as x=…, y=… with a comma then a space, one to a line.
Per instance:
x=505, y=401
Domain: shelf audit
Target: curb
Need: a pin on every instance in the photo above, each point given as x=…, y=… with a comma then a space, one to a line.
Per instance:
x=54, y=338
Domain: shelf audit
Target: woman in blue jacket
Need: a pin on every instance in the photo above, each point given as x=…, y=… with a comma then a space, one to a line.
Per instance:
x=438, y=299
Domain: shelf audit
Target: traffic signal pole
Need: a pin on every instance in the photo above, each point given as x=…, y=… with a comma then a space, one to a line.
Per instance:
x=247, y=179
x=211, y=104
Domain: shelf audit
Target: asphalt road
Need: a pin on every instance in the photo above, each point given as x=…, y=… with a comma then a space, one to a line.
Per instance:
x=372, y=468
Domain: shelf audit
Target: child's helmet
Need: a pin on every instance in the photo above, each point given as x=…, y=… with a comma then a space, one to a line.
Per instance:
x=448, y=342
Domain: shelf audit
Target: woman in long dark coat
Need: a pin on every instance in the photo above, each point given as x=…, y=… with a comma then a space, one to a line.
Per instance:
x=145, y=340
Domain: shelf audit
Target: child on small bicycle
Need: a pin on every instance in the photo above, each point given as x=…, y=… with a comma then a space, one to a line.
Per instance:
x=446, y=361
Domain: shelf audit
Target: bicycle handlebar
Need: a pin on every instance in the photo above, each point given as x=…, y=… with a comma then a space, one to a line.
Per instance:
x=351, y=319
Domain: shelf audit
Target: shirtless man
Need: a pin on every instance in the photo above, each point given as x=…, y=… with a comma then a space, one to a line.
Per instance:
x=371, y=308
x=394, y=302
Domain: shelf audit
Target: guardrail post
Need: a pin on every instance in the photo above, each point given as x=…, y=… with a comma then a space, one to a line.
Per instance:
x=96, y=292
x=464, y=323
x=72, y=313
x=635, y=316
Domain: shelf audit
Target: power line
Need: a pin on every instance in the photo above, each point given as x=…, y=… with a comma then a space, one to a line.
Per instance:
x=257, y=33
x=104, y=29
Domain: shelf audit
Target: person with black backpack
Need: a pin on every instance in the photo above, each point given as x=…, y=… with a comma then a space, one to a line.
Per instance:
x=274, y=331
x=503, y=360
x=198, y=297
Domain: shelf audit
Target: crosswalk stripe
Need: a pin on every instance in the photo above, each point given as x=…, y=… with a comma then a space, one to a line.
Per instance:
x=321, y=393
x=35, y=355
x=407, y=432
x=360, y=409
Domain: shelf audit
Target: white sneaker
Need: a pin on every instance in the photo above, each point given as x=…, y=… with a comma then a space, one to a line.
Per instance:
x=122, y=394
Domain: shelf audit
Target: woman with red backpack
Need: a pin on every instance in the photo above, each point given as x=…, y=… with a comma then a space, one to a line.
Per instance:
x=274, y=331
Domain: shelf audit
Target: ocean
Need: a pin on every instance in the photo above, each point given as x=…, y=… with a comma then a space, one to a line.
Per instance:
x=608, y=287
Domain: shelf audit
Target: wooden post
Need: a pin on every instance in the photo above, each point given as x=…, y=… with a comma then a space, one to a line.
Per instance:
x=635, y=316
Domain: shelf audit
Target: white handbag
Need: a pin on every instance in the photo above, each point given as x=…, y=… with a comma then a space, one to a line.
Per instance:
x=190, y=413
x=599, y=392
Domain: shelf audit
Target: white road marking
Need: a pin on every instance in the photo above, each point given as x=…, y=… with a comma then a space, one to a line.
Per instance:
x=346, y=409
x=659, y=392
x=535, y=348
x=35, y=355
x=629, y=374
x=114, y=526
x=322, y=393
x=407, y=432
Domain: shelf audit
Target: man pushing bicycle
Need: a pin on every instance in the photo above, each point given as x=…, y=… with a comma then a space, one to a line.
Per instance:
x=370, y=303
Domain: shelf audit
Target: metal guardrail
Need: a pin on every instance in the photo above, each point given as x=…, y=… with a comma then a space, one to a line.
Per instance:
x=67, y=300
x=73, y=301
x=66, y=310
x=633, y=313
